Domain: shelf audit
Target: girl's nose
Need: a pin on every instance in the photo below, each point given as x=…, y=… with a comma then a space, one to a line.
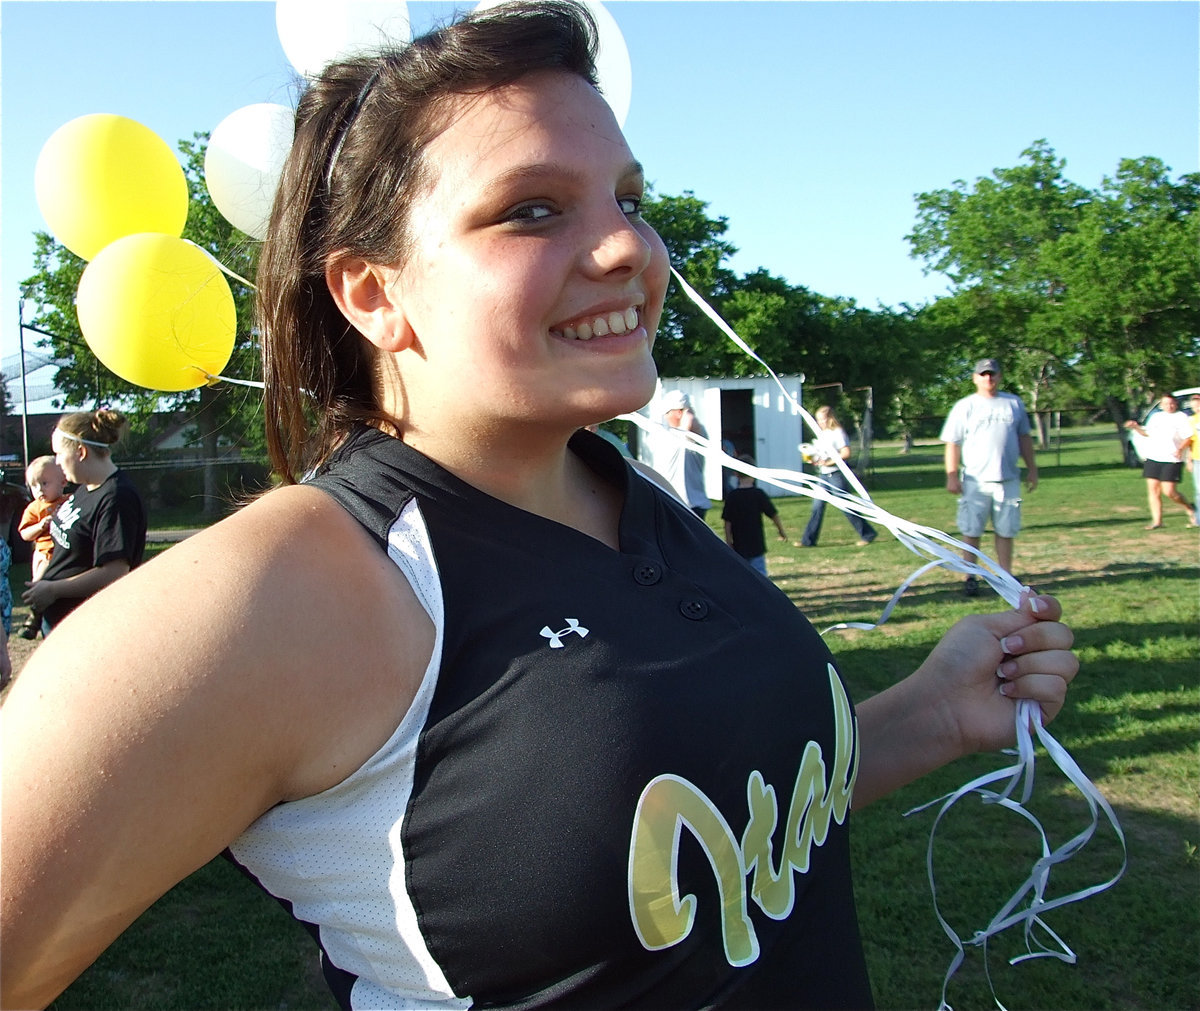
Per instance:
x=618, y=246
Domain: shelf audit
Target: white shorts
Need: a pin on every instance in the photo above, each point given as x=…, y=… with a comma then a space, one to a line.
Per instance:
x=999, y=500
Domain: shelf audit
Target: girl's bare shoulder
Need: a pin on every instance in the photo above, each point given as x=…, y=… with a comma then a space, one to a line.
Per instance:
x=285, y=619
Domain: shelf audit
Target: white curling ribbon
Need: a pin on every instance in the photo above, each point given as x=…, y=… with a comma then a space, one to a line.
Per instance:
x=729, y=332
x=1019, y=910
x=252, y=383
x=1028, y=904
x=940, y=547
x=221, y=267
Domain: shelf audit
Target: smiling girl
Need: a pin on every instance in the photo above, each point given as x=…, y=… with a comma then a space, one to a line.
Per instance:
x=494, y=713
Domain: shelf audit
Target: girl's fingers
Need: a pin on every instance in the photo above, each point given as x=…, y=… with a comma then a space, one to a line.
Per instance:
x=1061, y=665
x=1042, y=606
x=1048, y=690
x=1038, y=637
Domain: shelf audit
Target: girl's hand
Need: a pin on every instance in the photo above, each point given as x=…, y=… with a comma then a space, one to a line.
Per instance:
x=963, y=698
x=987, y=663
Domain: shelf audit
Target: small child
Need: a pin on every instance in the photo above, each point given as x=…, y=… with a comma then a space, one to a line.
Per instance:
x=744, y=508
x=48, y=484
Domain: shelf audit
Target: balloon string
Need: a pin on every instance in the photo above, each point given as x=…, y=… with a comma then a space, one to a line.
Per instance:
x=944, y=549
x=213, y=380
x=948, y=552
x=225, y=270
x=210, y=379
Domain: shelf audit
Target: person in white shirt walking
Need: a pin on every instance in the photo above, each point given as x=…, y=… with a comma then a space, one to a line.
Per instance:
x=984, y=434
x=1168, y=431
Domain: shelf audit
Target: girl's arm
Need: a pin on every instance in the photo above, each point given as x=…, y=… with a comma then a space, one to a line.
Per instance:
x=260, y=661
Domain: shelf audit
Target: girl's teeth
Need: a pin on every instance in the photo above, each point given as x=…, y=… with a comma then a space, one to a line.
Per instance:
x=602, y=326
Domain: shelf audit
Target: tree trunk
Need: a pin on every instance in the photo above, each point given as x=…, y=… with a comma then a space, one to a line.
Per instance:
x=206, y=422
x=1117, y=412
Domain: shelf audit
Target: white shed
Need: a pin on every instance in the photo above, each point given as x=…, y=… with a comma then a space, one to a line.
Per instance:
x=751, y=413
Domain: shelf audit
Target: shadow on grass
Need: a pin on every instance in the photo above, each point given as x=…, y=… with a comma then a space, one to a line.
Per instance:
x=1124, y=526
x=214, y=941
x=1113, y=575
x=925, y=473
x=1121, y=525
x=849, y=602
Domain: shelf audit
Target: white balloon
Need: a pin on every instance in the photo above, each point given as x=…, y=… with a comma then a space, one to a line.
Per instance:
x=315, y=32
x=613, y=66
x=245, y=157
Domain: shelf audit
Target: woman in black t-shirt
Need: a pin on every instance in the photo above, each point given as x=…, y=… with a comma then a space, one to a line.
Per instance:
x=100, y=530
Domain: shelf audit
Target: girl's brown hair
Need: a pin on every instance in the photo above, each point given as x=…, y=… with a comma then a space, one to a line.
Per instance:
x=96, y=429
x=354, y=169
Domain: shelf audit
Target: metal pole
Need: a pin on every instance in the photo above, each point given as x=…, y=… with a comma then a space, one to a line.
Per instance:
x=866, y=434
x=24, y=390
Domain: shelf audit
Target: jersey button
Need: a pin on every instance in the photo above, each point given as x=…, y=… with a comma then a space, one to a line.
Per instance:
x=647, y=574
x=693, y=610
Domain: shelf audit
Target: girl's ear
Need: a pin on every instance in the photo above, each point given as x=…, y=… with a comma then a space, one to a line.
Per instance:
x=365, y=294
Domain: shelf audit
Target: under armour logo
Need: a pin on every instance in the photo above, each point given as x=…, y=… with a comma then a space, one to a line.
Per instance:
x=556, y=638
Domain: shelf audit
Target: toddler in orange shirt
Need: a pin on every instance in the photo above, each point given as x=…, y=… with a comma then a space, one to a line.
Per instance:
x=48, y=484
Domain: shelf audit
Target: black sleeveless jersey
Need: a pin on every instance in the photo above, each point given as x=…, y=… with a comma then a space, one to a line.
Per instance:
x=624, y=783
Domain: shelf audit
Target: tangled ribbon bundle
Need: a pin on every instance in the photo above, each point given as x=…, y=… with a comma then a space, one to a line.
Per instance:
x=1029, y=903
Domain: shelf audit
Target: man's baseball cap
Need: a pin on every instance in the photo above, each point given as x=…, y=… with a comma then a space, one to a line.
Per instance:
x=675, y=400
x=987, y=365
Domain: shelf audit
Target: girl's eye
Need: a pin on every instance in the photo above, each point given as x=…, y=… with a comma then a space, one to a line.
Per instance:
x=531, y=212
x=631, y=206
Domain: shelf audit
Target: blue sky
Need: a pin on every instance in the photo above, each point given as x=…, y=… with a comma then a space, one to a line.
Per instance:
x=808, y=125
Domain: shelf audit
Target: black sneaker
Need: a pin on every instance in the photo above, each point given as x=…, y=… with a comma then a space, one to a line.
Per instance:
x=33, y=625
x=971, y=587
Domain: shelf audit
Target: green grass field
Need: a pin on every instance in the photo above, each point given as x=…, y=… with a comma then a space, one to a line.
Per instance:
x=1133, y=598
x=1132, y=722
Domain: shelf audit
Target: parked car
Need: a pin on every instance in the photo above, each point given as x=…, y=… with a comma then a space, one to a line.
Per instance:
x=1135, y=444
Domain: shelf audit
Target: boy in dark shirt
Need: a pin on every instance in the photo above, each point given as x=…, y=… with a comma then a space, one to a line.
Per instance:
x=744, y=508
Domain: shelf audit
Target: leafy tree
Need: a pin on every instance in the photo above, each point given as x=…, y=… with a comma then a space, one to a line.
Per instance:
x=1131, y=301
x=227, y=411
x=1086, y=295
x=781, y=322
x=220, y=412
x=994, y=233
x=793, y=329
x=688, y=343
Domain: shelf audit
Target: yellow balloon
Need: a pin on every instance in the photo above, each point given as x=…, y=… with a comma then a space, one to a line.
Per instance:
x=157, y=311
x=101, y=177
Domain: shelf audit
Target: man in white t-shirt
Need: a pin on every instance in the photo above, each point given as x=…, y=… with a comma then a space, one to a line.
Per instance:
x=984, y=434
x=1168, y=433
x=682, y=466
